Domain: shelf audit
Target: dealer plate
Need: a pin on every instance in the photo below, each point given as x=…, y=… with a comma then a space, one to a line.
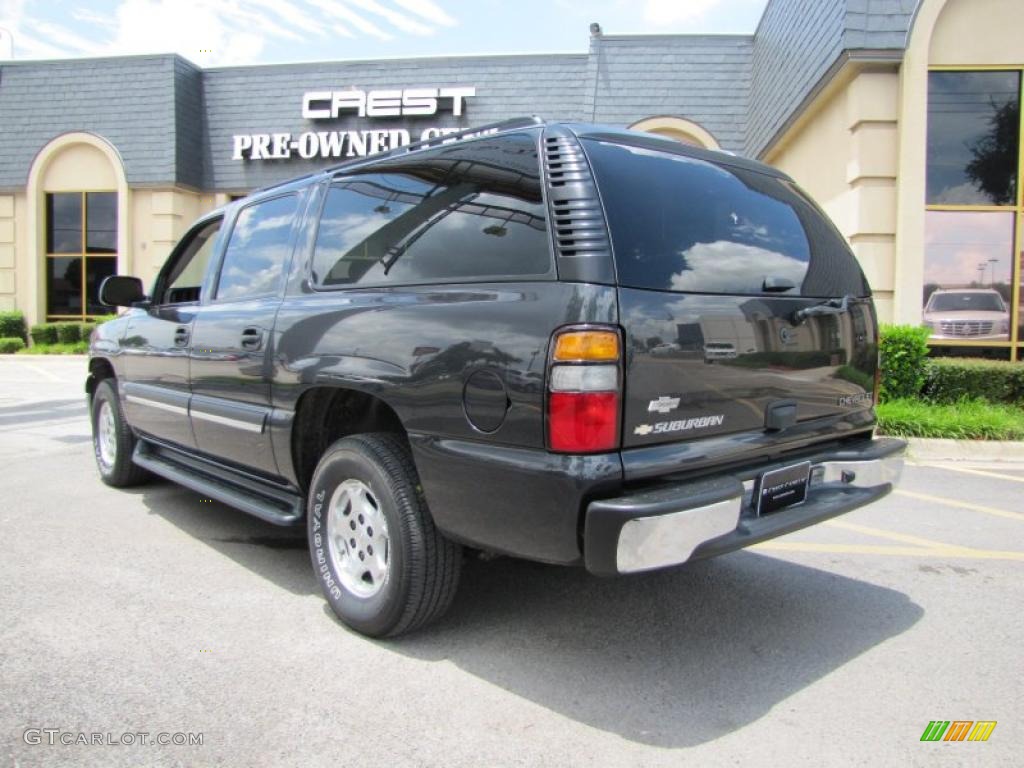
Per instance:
x=781, y=488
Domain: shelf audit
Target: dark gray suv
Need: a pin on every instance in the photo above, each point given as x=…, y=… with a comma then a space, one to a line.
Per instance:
x=501, y=341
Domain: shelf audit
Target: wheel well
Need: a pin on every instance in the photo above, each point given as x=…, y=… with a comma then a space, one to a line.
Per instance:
x=99, y=369
x=327, y=414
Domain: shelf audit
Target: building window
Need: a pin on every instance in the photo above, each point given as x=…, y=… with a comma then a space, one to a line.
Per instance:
x=975, y=210
x=680, y=129
x=81, y=250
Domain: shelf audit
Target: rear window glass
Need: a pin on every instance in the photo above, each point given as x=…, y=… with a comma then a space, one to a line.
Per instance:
x=683, y=224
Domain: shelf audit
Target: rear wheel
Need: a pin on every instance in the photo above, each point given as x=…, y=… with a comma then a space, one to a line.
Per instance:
x=383, y=566
x=112, y=439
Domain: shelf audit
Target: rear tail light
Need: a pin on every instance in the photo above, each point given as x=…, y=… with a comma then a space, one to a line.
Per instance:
x=584, y=383
x=587, y=346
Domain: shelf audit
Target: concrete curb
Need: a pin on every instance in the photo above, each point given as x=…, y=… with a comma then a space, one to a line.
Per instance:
x=931, y=449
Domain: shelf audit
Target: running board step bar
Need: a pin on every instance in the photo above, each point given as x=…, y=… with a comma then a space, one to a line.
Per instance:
x=236, y=489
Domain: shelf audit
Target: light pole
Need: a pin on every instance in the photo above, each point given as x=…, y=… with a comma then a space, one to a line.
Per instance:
x=993, y=262
x=981, y=273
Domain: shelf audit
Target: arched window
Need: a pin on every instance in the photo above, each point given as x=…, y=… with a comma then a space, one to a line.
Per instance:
x=77, y=187
x=685, y=131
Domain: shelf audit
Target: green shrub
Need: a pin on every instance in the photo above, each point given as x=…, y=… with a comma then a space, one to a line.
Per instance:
x=44, y=333
x=950, y=379
x=903, y=350
x=12, y=325
x=964, y=420
x=68, y=333
x=78, y=348
x=85, y=330
x=9, y=344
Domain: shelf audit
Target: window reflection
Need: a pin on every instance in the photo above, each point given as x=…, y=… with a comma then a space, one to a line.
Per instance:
x=973, y=133
x=258, y=249
x=78, y=257
x=64, y=286
x=968, y=275
x=101, y=222
x=467, y=212
x=680, y=223
x=1020, y=315
x=96, y=271
x=64, y=222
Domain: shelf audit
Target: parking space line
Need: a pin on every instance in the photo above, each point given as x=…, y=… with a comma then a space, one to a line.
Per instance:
x=890, y=551
x=979, y=472
x=884, y=534
x=41, y=371
x=960, y=504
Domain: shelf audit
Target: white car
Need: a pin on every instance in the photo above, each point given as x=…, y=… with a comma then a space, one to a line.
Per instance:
x=719, y=350
x=968, y=313
x=667, y=348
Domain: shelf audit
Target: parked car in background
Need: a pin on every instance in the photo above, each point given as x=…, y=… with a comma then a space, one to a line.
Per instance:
x=719, y=350
x=666, y=348
x=967, y=313
x=444, y=347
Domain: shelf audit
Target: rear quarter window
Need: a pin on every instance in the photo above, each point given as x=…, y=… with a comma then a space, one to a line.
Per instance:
x=679, y=223
x=468, y=212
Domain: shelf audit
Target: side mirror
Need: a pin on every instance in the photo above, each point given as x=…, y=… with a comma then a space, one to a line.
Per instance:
x=121, y=291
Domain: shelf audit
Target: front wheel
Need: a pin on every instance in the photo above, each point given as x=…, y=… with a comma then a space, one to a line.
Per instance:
x=383, y=566
x=112, y=439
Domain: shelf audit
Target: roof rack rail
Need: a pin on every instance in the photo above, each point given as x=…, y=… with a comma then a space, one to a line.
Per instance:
x=511, y=124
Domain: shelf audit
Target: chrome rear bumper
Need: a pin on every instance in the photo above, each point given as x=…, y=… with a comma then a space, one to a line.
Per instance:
x=673, y=524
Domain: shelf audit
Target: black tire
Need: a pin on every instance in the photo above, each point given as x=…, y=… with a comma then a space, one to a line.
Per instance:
x=422, y=569
x=119, y=470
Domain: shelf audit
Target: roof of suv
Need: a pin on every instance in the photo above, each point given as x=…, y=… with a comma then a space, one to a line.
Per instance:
x=581, y=130
x=658, y=143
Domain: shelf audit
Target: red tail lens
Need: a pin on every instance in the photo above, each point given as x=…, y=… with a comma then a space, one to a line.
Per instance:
x=583, y=422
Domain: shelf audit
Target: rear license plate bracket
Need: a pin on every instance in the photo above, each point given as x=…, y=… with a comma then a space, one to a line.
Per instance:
x=781, y=488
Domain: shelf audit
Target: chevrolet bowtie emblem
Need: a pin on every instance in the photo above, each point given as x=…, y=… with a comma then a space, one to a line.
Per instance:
x=663, y=404
x=643, y=429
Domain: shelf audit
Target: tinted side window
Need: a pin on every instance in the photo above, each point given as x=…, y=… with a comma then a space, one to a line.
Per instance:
x=184, y=280
x=466, y=211
x=260, y=244
x=683, y=224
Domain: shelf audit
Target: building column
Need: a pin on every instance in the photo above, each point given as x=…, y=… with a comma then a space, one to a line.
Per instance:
x=7, y=273
x=872, y=113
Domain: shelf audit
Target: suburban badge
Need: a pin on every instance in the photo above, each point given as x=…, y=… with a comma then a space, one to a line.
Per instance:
x=681, y=425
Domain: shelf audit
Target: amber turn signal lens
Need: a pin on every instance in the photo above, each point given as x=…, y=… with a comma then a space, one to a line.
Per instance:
x=587, y=346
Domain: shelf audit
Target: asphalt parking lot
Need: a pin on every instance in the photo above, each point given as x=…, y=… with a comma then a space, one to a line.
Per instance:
x=153, y=611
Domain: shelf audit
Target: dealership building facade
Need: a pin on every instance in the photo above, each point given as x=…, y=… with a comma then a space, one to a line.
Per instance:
x=901, y=117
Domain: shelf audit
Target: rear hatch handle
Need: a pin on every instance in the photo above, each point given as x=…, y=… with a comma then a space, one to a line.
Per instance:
x=827, y=307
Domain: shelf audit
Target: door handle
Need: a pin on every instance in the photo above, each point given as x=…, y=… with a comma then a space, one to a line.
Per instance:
x=252, y=338
x=181, y=336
